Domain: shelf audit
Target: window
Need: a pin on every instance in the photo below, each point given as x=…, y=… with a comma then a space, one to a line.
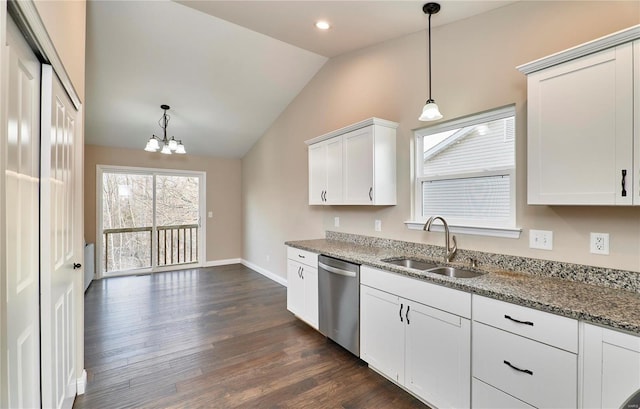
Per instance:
x=149, y=219
x=465, y=172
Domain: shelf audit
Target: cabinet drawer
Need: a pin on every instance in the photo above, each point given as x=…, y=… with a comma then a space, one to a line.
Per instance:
x=546, y=377
x=443, y=298
x=487, y=397
x=561, y=332
x=303, y=256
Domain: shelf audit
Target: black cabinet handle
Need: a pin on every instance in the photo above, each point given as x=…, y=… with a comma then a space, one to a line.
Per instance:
x=302, y=272
x=299, y=271
x=407, y=314
x=401, y=305
x=518, y=321
x=371, y=194
x=300, y=255
x=624, y=177
x=324, y=195
x=518, y=369
x=76, y=266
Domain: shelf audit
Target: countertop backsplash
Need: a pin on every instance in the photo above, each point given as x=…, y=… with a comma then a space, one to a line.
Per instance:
x=607, y=277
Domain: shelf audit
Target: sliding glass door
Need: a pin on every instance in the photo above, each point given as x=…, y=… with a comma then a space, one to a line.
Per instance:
x=149, y=220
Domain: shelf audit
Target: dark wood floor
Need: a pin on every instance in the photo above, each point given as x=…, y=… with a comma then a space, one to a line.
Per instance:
x=218, y=337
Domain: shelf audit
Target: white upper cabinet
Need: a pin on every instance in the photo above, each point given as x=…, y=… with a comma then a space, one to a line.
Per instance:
x=325, y=172
x=355, y=165
x=582, y=127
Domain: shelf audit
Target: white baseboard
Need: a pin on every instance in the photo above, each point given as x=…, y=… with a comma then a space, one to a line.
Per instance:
x=224, y=262
x=81, y=383
x=265, y=272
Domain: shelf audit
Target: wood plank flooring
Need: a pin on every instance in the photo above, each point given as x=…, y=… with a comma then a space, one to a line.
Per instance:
x=218, y=337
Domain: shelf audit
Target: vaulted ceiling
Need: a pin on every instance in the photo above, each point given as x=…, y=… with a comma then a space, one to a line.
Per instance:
x=226, y=68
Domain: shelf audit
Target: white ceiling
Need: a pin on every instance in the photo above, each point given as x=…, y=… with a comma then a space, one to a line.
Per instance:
x=226, y=68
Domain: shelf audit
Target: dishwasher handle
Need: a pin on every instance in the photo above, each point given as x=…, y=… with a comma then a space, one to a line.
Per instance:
x=335, y=270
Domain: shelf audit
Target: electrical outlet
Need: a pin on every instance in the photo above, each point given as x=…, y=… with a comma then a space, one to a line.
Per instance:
x=541, y=239
x=599, y=243
x=378, y=225
x=336, y=221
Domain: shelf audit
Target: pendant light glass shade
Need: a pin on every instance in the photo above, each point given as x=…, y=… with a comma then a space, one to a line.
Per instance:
x=430, y=112
x=180, y=149
x=173, y=144
x=166, y=150
x=152, y=145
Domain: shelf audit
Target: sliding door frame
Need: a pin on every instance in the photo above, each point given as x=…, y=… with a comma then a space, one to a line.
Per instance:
x=202, y=230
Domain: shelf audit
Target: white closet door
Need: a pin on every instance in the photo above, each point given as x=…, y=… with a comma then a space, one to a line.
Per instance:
x=61, y=277
x=21, y=148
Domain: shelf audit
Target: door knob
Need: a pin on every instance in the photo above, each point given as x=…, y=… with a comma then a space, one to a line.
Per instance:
x=76, y=266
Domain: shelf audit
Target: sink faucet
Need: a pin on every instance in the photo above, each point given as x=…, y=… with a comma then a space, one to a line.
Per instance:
x=449, y=251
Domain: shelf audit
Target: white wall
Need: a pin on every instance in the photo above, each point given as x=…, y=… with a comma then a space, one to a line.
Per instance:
x=474, y=64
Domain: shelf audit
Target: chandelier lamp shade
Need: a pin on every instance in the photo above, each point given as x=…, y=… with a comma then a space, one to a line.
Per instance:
x=169, y=146
x=430, y=111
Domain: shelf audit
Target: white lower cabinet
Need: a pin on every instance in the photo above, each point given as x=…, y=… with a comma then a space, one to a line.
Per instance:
x=302, y=285
x=424, y=349
x=611, y=367
x=437, y=356
x=382, y=332
x=485, y=396
x=517, y=352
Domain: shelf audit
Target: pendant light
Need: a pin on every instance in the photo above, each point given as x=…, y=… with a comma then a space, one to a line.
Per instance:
x=169, y=146
x=430, y=112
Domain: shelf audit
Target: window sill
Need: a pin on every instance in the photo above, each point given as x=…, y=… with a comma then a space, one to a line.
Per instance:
x=504, y=232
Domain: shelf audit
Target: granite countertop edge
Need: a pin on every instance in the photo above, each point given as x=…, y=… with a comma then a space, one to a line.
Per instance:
x=613, y=308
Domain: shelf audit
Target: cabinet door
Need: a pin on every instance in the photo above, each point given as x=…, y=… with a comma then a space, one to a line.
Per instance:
x=317, y=173
x=438, y=356
x=325, y=172
x=358, y=166
x=310, y=280
x=382, y=332
x=611, y=367
x=334, y=191
x=295, y=288
x=580, y=130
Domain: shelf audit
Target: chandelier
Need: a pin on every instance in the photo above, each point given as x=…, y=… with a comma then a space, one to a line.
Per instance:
x=169, y=146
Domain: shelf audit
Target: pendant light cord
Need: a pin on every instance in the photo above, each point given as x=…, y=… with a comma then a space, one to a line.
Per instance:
x=430, y=14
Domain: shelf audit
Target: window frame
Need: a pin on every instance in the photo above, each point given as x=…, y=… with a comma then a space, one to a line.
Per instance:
x=507, y=229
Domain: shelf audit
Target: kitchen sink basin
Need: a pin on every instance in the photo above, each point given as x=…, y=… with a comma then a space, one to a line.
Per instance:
x=454, y=272
x=431, y=267
x=410, y=263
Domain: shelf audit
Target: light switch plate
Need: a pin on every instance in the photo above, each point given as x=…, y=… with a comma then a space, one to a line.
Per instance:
x=378, y=225
x=336, y=221
x=541, y=239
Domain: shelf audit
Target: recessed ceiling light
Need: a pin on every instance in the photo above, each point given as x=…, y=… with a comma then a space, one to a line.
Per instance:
x=322, y=25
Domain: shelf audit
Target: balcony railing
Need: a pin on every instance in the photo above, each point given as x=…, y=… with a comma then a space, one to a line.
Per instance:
x=132, y=247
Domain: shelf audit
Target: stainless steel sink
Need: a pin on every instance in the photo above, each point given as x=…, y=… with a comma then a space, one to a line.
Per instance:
x=410, y=263
x=454, y=272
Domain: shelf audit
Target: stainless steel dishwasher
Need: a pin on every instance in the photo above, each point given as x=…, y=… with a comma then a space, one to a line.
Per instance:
x=339, y=302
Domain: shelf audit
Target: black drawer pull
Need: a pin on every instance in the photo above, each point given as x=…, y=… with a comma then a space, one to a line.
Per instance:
x=518, y=369
x=624, y=187
x=301, y=256
x=407, y=314
x=371, y=194
x=518, y=321
x=401, y=320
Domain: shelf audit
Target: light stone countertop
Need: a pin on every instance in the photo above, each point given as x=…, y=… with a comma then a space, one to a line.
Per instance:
x=615, y=308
